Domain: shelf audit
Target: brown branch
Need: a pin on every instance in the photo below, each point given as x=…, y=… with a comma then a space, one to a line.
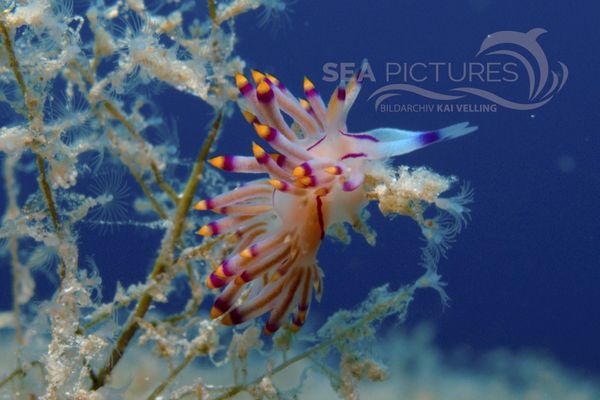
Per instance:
x=160, y=388
x=14, y=65
x=30, y=103
x=212, y=11
x=164, y=259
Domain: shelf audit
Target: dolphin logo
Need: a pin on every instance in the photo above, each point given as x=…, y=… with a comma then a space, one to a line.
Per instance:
x=538, y=77
x=523, y=47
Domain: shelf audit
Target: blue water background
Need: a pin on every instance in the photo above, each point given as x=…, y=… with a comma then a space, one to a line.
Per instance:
x=525, y=274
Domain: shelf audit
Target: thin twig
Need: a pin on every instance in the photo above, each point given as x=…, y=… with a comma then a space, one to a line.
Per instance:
x=212, y=11
x=164, y=259
x=160, y=388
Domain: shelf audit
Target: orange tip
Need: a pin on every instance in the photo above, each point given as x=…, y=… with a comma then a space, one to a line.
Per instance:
x=240, y=80
x=257, y=76
x=273, y=79
x=209, y=283
x=246, y=253
x=249, y=117
x=215, y=313
x=205, y=231
x=305, y=180
x=321, y=191
x=333, y=170
x=201, y=205
x=257, y=150
x=219, y=272
x=277, y=184
x=299, y=171
x=308, y=85
x=227, y=320
x=239, y=280
x=217, y=162
x=305, y=104
x=263, y=88
x=294, y=328
x=262, y=130
x=275, y=276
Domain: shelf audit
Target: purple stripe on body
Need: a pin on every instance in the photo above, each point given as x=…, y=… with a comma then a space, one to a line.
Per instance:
x=315, y=144
x=341, y=93
x=360, y=136
x=353, y=155
x=320, y=215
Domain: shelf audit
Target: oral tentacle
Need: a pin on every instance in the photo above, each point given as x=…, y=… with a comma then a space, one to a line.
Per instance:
x=315, y=101
x=280, y=143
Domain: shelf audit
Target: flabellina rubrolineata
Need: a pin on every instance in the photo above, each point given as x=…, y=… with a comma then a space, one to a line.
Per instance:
x=318, y=176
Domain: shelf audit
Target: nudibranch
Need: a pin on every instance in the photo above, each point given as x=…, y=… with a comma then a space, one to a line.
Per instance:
x=315, y=178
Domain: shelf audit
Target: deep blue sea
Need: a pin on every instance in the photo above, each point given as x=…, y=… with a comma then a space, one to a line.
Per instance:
x=525, y=273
